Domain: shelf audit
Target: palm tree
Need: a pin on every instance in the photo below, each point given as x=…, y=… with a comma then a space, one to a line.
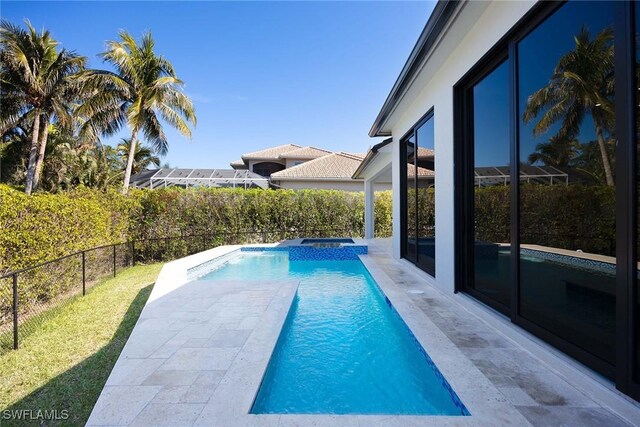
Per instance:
x=40, y=83
x=143, y=89
x=143, y=157
x=582, y=83
x=558, y=152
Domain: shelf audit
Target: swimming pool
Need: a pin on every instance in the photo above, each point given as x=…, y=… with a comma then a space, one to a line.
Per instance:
x=343, y=349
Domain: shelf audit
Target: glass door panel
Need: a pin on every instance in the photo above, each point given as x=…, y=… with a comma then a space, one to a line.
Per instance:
x=567, y=180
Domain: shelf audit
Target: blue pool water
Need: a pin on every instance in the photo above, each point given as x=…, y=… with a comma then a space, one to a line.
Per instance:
x=343, y=349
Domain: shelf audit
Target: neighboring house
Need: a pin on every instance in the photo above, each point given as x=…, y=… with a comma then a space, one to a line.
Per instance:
x=271, y=160
x=291, y=166
x=330, y=172
x=531, y=96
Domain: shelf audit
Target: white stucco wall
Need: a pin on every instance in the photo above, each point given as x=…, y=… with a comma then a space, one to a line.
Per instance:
x=490, y=26
x=330, y=185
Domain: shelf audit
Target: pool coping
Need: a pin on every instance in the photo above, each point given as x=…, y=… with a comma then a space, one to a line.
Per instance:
x=232, y=399
x=231, y=404
x=487, y=406
x=483, y=400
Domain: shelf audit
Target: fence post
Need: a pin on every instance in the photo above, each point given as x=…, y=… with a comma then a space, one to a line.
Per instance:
x=114, y=260
x=15, y=311
x=84, y=274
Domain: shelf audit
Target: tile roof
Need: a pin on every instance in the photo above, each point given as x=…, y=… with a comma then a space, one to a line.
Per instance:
x=423, y=172
x=270, y=153
x=305, y=153
x=331, y=166
x=425, y=152
x=238, y=163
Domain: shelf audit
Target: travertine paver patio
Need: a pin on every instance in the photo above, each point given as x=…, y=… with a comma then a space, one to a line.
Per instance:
x=540, y=393
x=192, y=342
x=199, y=350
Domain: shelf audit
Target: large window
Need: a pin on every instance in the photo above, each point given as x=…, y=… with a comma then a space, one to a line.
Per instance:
x=418, y=219
x=543, y=146
x=567, y=220
x=489, y=124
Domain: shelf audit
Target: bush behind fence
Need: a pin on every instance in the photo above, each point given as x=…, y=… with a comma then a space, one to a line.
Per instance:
x=47, y=226
x=31, y=296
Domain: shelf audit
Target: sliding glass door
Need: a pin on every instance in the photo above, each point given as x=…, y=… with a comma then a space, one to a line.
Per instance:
x=567, y=153
x=409, y=218
x=418, y=186
x=490, y=221
x=548, y=182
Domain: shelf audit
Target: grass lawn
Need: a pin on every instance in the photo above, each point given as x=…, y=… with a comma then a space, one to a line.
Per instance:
x=64, y=365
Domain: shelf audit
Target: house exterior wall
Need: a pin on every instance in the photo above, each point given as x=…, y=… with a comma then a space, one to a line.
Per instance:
x=490, y=26
x=352, y=185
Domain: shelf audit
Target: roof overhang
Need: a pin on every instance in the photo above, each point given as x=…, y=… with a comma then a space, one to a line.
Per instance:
x=378, y=158
x=443, y=13
x=263, y=159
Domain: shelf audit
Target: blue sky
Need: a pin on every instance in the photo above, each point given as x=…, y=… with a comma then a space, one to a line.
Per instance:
x=260, y=73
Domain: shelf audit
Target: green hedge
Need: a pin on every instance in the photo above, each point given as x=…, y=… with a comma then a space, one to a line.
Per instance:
x=570, y=217
x=44, y=226
x=37, y=228
x=47, y=226
x=295, y=213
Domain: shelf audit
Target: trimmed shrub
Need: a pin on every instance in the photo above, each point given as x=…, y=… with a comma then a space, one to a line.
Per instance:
x=44, y=226
x=571, y=217
x=278, y=213
x=382, y=213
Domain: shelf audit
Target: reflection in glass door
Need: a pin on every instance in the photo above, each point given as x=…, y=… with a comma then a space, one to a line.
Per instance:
x=559, y=96
x=409, y=223
x=567, y=264
x=418, y=204
x=491, y=187
x=426, y=218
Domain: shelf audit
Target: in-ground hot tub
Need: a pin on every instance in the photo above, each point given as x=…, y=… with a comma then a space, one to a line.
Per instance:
x=326, y=240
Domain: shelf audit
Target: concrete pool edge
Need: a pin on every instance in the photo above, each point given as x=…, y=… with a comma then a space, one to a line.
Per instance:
x=231, y=404
x=231, y=400
x=483, y=400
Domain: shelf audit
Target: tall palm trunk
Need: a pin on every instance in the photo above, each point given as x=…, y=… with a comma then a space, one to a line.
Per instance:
x=605, y=157
x=44, y=134
x=132, y=152
x=33, y=152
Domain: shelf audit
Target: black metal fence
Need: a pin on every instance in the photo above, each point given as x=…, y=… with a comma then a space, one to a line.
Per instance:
x=30, y=296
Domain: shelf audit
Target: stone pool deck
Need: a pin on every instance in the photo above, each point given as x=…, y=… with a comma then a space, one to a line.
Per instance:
x=198, y=353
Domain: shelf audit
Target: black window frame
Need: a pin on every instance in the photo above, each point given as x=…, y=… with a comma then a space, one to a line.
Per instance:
x=622, y=372
x=429, y=115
